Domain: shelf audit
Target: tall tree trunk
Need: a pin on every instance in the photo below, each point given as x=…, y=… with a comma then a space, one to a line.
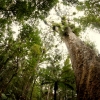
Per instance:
x=55, y=90
x=86, y=66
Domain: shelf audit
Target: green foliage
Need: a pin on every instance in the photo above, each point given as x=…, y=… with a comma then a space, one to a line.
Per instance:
x=18, y=61
x=80, y=6
x=36, y=49
x=20, y=75
x=91, y=11
x=64, y=77
x=75, y=30
x=23, y=10
x=68, y=74
x=19, y=58
x=70, y=2
x=3, y=96
x=62, y=27
x=91, y=45
x=3, y=22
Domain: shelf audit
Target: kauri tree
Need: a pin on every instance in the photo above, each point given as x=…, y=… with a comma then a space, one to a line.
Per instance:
x=85, y=63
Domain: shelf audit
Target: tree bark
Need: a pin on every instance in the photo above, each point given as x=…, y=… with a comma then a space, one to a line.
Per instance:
x=55, y=90
x=86, y=66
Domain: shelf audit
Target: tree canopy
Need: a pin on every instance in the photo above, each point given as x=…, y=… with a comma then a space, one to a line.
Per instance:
x=21, y=58
x=91, y=13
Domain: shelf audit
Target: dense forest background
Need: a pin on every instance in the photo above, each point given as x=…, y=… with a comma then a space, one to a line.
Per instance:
x=32, y=67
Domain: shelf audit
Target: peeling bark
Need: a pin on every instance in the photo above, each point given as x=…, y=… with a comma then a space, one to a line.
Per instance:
x=86, y=66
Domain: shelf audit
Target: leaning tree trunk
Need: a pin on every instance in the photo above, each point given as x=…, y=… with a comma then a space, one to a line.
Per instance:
x=86, y=66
